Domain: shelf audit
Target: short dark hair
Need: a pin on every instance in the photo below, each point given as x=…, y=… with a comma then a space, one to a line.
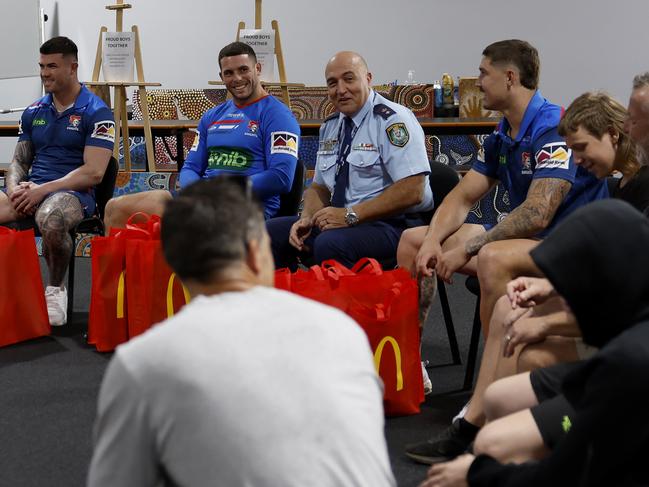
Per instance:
x=237, y=49
x=60, y=45
x=519, y=53
x=207, y=227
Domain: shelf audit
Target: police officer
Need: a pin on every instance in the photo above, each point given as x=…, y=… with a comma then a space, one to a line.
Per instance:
x=371, y=176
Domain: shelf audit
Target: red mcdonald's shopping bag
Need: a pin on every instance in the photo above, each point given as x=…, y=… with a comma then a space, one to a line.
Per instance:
x=385, y=304
x=154, y=291
x=23, y=312
x=393, y=331
x=108, y=317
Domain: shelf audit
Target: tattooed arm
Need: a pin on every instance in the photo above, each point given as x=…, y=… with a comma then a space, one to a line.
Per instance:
x=20, y=164
x=95, y=160
x=532, y=216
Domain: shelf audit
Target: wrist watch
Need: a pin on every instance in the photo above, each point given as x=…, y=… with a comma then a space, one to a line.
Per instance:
x=351, y=218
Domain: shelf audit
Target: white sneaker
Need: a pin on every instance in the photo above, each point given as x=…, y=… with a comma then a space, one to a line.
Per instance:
x=428, y=385
x=462, y=412
x=57, y=305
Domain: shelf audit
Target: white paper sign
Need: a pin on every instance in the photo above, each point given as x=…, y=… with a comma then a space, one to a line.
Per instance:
x=118, y=55
x=263, y=42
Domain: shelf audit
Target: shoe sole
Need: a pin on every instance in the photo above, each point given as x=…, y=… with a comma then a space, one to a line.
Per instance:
x=428, y=460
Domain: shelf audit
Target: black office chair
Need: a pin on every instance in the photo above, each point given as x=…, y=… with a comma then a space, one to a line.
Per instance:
x=93, y=225
x=289, y=203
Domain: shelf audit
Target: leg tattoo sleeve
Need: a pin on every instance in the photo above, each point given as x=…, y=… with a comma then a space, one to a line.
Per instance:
x=56, y=216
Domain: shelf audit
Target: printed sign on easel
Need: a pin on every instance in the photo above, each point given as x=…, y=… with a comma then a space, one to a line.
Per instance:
x=263, y=43
x=118, y=55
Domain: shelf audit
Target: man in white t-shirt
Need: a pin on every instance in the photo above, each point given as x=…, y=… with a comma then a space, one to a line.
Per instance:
x=246, y=385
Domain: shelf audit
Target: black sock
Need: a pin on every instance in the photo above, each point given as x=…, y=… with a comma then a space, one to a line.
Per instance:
x=467, y=430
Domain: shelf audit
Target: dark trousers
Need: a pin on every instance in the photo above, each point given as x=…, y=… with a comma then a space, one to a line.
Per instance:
x=377, y=239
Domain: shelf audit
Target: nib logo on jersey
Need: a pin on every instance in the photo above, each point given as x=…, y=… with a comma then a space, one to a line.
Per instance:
x=229, y=158
x=553, y=156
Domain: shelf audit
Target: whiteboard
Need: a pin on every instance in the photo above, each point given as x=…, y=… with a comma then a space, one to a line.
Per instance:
x=20, y=36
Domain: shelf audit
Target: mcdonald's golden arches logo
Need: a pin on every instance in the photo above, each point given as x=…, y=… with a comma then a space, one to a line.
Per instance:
x=397, y=358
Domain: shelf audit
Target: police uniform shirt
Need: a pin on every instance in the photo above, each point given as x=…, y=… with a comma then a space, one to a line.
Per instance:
x=388, y=146
x=259, y=140
x=59, y=139
x=538, y=151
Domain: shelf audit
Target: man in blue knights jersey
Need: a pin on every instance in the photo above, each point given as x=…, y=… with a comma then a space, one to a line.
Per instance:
x=253, y=134
x=534, y=164
x=371, y=176
x=65, y=142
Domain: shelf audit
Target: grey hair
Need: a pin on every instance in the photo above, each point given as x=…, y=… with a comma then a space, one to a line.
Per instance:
x=641, y=80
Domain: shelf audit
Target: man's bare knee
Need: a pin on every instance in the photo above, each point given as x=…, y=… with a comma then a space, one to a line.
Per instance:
x=508, y=395
x=409, y=244
x=497, y=323
x=58, y=214
x=551, y=351
x=491, y=441
x=120, y=209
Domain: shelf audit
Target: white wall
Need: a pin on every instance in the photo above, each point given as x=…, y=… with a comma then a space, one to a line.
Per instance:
x=584, y=44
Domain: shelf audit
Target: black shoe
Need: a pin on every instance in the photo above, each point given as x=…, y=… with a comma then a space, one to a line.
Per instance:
x=444, y=447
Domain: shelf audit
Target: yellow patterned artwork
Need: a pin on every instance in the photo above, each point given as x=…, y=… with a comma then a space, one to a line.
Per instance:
x=471, y=100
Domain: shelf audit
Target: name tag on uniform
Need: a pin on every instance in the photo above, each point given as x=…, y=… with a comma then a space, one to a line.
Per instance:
x=328, y=146
x=365, y=147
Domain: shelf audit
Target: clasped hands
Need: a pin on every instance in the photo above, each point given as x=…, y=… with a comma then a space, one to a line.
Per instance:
x=327, y=218
x=26, y=197
x=444, y=263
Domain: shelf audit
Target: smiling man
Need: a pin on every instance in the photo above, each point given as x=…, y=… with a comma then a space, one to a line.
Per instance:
x=65, y=142
x=534, y=165
x=371, y=176
x=253, y=134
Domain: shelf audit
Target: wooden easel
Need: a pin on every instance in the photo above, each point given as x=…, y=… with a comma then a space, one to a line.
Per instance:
x=283, y=84
x=121, y=116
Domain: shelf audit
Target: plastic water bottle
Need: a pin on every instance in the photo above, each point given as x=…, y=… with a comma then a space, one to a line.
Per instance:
x=437, y=93
x=410, y=78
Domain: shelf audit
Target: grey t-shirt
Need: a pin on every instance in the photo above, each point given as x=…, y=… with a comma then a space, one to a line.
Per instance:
x=243, y=389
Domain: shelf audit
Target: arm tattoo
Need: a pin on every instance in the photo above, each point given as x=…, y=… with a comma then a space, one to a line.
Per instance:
x=532, y=216
x=22, y=161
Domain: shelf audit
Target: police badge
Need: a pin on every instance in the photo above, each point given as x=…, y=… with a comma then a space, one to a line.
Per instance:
x=398, y=134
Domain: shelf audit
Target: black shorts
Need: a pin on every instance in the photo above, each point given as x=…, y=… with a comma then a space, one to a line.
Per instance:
x=554, y=414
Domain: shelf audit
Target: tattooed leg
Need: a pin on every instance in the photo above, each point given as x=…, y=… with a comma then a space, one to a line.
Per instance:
x=427, y=291
x=58, y=214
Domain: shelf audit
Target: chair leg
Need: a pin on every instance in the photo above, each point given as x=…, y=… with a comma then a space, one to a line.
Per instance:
x=448, y=321
x=71, y=280
x=473, y=348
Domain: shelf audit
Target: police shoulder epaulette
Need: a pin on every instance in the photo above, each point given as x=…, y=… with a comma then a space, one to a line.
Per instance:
x=331, y=117
x=383, y=111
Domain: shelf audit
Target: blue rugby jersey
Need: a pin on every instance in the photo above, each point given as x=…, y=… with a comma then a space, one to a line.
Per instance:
x=259, y=140
x=538, y=152
x=60, y=139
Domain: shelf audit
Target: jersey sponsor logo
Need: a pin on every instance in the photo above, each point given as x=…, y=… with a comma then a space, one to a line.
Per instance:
x=73, y=122
x=526, y=163
x=555, y=155
x=35, y=105
x=39, y=122
x=104, y=130
x=226, y=158
x=20, y=127
x=253, y=126
x=502, y=159
x=398, y=134
x=220, y=125
x=235, y=115
x=283, y=143
x=196, y=141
